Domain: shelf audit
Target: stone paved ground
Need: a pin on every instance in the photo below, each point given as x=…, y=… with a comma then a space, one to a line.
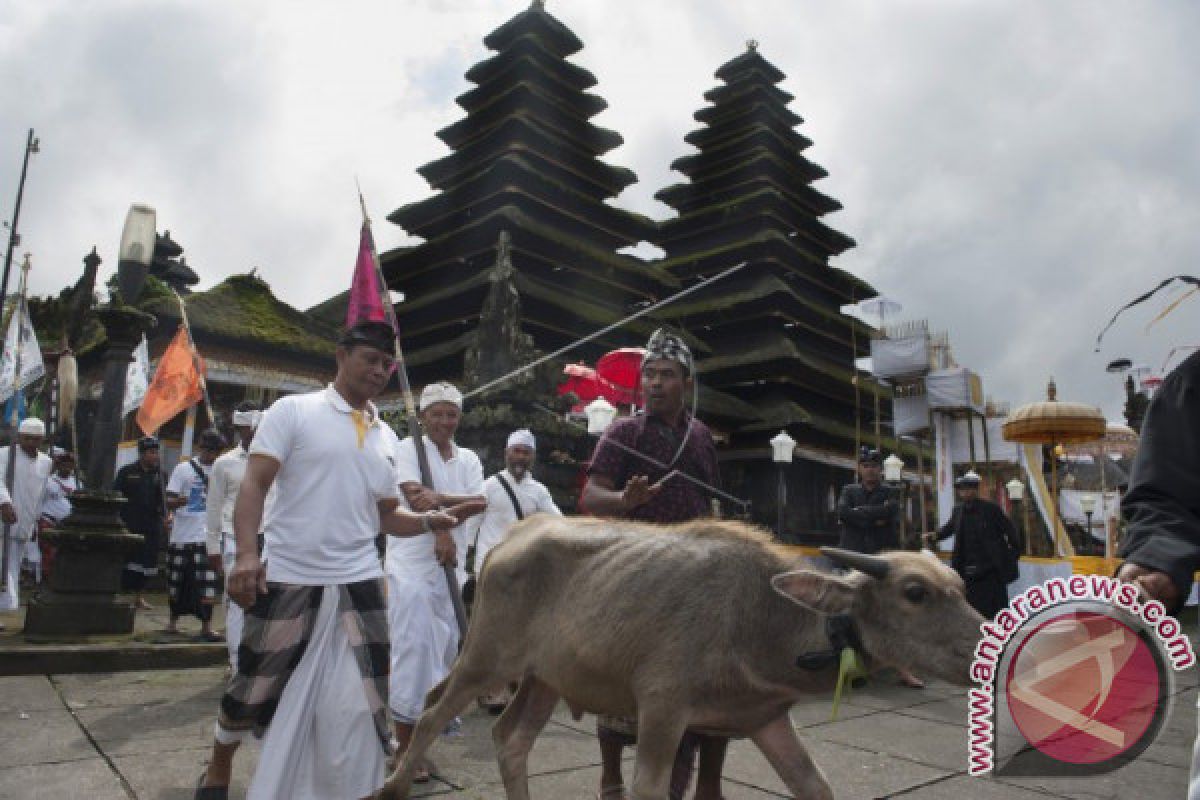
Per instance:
x=145, y=735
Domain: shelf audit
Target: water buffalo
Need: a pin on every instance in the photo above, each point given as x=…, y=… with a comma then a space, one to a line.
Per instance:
x=700, y=625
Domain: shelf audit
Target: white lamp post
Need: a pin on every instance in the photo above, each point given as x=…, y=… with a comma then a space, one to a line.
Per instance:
x=892, y=466
x=136, y=252
x=1088, y=503
x=1016, y=493
x=600, y=414
x=893, y=475
x=782, y=449
x=1016, y=490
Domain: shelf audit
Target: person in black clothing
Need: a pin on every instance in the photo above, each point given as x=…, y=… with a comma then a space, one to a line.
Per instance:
x=987, y=549
x=1162, y=507
x=144, y=513
x=868, y=509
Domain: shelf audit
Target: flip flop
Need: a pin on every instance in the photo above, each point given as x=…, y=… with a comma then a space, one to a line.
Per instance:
x=210, y=792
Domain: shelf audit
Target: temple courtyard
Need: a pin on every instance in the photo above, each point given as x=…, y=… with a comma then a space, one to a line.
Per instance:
x=145, y=735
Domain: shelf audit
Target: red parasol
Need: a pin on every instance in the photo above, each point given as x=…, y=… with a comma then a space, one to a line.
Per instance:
x=623, y=370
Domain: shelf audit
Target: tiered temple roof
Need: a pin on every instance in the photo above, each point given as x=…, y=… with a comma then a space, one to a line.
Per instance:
x=526, y=161
x=778, y=339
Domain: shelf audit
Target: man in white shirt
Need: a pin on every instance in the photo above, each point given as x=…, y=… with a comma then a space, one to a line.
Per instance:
x=191, y=580
x=420, y=610
x=512, y=494
x=21, y=502
x=313, y=663
x=223, y=484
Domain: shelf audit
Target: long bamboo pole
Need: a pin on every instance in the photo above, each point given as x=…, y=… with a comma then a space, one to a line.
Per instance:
x=10, y=473
x=410, y=410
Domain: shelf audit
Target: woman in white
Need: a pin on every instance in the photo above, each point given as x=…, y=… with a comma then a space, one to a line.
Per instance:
x=421, y=619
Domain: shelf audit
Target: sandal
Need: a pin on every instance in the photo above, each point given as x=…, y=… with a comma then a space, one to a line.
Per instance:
x=210, y=792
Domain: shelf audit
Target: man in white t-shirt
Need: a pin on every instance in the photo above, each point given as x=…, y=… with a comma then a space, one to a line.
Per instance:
x=313, y=662
x=420, y=609
x=512, y=494
x=223, y=484
x=191, y=580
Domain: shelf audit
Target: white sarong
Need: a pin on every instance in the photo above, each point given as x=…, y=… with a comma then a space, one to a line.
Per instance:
x=322, y=743
x=423, y=629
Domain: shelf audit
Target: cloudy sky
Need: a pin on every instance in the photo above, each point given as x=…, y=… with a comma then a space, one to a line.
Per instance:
x=1012, y=171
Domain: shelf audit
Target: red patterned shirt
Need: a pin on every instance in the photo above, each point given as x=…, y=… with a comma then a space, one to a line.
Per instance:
x=680, y=499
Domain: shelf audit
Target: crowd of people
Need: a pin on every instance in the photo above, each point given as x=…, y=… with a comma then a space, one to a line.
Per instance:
x=334, y=643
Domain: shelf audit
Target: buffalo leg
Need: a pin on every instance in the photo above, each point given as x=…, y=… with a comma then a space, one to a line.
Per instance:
x=456, y=693
x=660, y=729
x=517, y=729
x=778, y=742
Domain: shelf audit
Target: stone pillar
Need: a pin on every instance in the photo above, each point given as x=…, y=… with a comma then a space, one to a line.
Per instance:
x=92, y=544
x=124, y=327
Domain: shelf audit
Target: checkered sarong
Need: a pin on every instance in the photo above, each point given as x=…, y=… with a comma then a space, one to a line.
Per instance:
x=191, y=582
x=277, y=631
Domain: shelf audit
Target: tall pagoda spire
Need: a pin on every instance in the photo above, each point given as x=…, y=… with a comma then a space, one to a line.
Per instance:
x=525, y=159
x=778, y=339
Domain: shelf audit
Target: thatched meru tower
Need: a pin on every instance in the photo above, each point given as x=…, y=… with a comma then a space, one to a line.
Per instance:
x=525, y=160
x=778, y=339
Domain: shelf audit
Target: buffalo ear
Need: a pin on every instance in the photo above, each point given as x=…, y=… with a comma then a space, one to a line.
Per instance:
x=818, y=591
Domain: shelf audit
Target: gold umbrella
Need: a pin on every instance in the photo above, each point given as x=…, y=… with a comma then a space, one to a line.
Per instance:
x=1055, y=422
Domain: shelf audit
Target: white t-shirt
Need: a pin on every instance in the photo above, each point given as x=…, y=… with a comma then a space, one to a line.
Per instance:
x=56, y=502
x=486, y=530
x=321, y=528
x=461, y=474
x=189, y=527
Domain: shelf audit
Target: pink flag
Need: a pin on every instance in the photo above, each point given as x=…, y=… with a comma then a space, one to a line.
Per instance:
x=366, y=303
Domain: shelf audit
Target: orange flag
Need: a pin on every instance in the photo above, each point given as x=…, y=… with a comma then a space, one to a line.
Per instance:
x=176, y=385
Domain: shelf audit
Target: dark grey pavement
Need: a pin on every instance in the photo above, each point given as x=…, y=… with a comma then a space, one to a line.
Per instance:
x=145, y=735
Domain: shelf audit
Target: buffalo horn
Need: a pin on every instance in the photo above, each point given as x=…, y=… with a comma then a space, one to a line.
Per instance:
x=874, y=566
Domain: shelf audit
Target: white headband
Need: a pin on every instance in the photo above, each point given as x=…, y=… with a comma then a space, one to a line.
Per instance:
x=246, y=418
x=522, y=437
x=441, y=392
x=32, y=426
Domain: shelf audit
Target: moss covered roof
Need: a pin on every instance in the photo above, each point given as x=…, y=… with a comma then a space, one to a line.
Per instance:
x=242, y=309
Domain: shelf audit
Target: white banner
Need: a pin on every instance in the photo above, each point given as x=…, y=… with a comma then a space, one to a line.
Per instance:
x=137, y=378
x=32, y=366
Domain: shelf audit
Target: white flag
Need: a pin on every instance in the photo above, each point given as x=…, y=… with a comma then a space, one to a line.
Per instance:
x=32, y=366
x=137, y=378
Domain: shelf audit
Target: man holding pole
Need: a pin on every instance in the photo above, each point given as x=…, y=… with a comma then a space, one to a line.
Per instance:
x=25, y=470
x=313, y=663
x=425, y=632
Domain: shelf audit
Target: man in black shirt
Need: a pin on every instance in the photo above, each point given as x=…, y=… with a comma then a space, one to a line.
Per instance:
x=987, y=549
x=868, y=510
x=869, y=515
x=143, y=513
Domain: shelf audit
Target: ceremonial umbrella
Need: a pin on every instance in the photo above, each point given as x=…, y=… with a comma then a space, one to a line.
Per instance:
x=623, y=369
x=1054, y=422
x=583, y=382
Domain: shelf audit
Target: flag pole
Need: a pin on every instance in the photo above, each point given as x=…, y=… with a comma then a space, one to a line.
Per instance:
x=410, y=409
x=10, y=473
x=212, y=420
